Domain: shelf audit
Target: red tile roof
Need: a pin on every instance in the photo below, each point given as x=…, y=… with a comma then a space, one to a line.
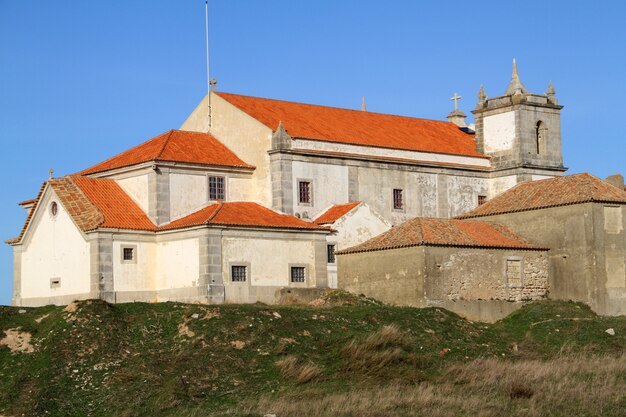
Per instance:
x=118, y=210
x=333, y=213
x=241, y=214
x=354, y=127
x=552, y=192
x=174, y=146
x=422, y=231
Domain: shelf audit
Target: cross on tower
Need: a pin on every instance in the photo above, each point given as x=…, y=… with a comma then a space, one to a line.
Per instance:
x=456, y=98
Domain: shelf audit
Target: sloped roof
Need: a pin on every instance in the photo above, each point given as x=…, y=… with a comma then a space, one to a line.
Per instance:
x=333, y=213
x=174, y=146
x=355, y=127
x=424, y=231
x=93, y=203
x=118, y=210
x=552, y=192
x=241, y=214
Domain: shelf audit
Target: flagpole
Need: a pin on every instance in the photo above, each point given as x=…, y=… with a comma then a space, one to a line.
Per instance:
x=208, y=73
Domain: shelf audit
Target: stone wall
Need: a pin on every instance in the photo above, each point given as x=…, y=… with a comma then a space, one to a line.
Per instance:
x=584, y=257
x=481, y=274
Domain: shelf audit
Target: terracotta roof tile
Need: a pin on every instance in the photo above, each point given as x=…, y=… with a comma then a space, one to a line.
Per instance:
x=174, y=146
x=117, y=209
x=422, y=231
x=241, y=214
x=333, y=124
x=552, y=192
x=333, y=213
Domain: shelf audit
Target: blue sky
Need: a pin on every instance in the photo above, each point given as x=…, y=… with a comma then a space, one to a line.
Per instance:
x=83, y=80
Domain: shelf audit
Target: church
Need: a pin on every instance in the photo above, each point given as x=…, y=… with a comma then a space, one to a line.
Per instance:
x=255, y=195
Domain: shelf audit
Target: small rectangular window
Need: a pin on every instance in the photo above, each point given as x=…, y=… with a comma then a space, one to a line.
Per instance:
x=514, y=272
x=304, y=192
x=398, y=204
x=128, y=254
x=216, y=188
x=239, y=273
x=330, y=250
x=298, y=274
x=482, y=199
x=55, y=282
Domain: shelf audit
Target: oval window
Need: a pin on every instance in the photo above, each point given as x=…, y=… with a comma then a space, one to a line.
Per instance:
x=54, y=208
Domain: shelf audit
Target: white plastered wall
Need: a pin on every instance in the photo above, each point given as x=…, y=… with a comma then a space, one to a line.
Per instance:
x=389, y=152
x=246, y=137
x=188, y=193
x=137, y=188
x=499, y=132
x=177, y=263
x=329, y=182
x=268, y=259
x=54, y=247
x=499, y=185
x=138, y=274
x=357, y=226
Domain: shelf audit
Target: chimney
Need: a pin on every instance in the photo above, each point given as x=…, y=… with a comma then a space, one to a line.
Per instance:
x=616, y=180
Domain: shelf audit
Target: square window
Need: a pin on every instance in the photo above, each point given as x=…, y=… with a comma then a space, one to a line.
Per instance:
x=398, y=203
x=330, y=251
x=238, y=273
x=482, y=199
x=128, y=254
x=298, y=274
x=216, y=188
x=304, y=192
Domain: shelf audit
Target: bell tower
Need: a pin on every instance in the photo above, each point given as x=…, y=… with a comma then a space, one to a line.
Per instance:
x=520, y=131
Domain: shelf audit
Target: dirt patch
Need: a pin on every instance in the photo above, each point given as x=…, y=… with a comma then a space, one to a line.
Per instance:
x=39, y=320
x=71, y=308
x=17, y=341
x=238, y=344
x=184, y=330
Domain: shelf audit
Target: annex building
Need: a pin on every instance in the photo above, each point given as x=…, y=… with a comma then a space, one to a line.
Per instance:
x=256, y=195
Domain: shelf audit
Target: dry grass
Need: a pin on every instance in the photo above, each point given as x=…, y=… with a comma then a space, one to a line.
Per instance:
x=567, y=386
x=291, y=368
x=378, y=351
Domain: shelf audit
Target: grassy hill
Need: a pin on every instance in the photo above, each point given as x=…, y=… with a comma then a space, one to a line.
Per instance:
x=349, y=357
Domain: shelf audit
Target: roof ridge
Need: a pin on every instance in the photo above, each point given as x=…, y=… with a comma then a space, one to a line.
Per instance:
x=165, y=143
x=215, y=213
x=80, y=190
x=337, y=108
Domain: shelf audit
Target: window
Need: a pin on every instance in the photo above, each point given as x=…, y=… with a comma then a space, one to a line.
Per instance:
x=541, y=133
x=482, y=199
x=298, y=274
x=398, y=204
x=330, y=251
x=304, y=192
x=514, y=272
x=55, y=282
x=54, y=208
x=238, y=273
x=216, y=188
x=128, y=254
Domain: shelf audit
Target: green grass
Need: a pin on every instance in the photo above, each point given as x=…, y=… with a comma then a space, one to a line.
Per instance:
x=158, y=360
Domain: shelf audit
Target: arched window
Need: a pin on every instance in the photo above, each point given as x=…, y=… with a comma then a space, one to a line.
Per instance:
x=541, y=134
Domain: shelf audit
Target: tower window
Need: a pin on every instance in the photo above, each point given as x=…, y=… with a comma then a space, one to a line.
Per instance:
x=541, y=134
x=216, y=188
x=482, y=199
